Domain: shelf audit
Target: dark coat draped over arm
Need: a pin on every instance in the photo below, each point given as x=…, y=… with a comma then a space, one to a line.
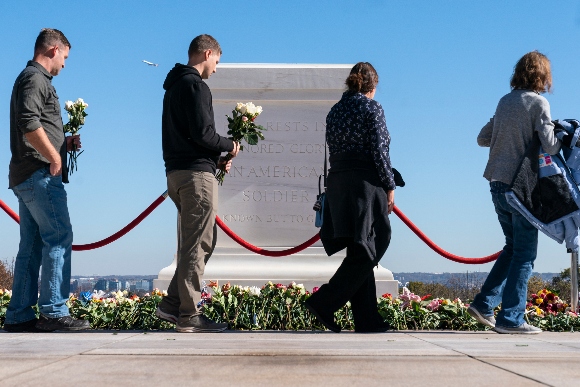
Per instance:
x=356, y=207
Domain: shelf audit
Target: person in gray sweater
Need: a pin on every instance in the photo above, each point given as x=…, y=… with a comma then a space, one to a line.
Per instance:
x=520, y=115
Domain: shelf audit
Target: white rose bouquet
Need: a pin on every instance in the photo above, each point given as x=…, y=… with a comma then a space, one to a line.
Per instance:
x=76, y=119
x=242, y=127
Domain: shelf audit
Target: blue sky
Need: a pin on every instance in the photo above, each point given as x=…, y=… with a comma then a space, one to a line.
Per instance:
x=443, y=67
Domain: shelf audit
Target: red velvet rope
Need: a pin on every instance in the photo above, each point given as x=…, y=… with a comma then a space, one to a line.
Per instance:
x=106, y=241
x=439, y=250
x=9, y=211
x=124, y=230
x=258, y=250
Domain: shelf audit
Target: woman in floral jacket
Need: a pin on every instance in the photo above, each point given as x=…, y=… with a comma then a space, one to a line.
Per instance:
x=360, y=195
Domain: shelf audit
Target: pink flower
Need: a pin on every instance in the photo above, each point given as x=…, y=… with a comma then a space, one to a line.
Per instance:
x=433, y=305
x=244, y=118
x=407, y=297
x=315, y=289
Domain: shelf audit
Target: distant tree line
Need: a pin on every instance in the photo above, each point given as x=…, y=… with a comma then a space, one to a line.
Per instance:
x=6, y=274
x=465, y=288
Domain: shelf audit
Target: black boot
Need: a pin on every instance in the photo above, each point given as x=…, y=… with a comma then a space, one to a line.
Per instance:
x=377, y=328
x=26, y=326
x=65, y=323
x=326, y=318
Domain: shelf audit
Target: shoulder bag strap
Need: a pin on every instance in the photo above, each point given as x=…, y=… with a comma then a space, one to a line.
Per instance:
x=323, y=176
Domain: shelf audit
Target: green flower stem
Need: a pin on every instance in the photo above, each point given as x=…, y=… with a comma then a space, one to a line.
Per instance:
x=221, y=173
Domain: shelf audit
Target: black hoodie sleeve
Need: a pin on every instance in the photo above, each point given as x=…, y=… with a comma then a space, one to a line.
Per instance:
x=201, y=121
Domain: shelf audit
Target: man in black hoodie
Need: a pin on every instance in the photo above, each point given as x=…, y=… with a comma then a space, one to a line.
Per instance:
x=191, y=150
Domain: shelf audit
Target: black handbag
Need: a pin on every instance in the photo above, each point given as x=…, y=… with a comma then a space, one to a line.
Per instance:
x=321, y=197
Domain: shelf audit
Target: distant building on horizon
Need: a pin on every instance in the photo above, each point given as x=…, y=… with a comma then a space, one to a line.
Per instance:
x=143, y=285
x=113, y=286
x=83, y=284
x=101, y=285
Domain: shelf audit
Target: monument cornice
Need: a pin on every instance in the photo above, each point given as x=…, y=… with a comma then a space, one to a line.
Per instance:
x=284, y=66
x=231, y=79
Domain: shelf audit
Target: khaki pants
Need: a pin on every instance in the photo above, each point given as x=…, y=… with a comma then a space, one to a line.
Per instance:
x=195, y=195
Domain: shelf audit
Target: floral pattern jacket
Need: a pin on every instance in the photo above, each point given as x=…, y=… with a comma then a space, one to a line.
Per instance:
x=356, y=124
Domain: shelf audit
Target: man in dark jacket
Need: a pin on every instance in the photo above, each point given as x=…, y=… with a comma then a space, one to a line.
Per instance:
x=191, y=150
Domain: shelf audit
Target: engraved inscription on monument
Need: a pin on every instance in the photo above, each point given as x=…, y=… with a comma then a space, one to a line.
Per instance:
x=267, y=198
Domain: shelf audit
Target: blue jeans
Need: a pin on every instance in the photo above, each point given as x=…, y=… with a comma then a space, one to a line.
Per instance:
x=45, y=241
x=507, y=281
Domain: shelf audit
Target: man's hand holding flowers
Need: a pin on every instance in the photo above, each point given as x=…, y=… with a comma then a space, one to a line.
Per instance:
x=73, y=142
x=237, y=148
x=225, y=162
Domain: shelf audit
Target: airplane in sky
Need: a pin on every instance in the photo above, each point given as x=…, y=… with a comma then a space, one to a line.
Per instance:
x=150, y=63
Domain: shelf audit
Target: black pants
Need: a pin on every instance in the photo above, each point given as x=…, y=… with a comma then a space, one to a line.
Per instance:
x=354, y=281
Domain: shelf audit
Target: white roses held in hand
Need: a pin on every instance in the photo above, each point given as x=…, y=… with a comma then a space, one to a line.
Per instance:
x=248, y=108
x=76, y=119
x=242, y=127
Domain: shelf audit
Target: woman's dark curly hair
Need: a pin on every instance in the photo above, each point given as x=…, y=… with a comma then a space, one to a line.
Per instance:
x=532, y=72
x=363, y=78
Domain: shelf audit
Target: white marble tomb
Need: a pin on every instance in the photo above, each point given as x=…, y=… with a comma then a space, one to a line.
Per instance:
x=267, y=198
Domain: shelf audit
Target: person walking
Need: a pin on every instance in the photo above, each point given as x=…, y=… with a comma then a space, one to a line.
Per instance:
x=191, y=151
x=360, y=195
x=520, y=115
x=37, y=172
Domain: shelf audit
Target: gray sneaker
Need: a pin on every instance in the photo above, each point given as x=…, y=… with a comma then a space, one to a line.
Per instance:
x=200, y=324
x=481, y=318
x=524, y=329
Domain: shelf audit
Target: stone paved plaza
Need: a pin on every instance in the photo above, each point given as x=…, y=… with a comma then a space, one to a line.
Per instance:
x=235, y=358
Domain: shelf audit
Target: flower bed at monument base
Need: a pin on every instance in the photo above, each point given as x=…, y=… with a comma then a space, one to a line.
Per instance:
x=281, y=307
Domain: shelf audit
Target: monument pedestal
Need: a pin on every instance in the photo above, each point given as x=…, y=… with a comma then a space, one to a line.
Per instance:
x=311, y=267
x=268, y=195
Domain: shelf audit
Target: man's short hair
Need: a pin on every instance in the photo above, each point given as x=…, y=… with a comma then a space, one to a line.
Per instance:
x=202, y=43
x=50, y=37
